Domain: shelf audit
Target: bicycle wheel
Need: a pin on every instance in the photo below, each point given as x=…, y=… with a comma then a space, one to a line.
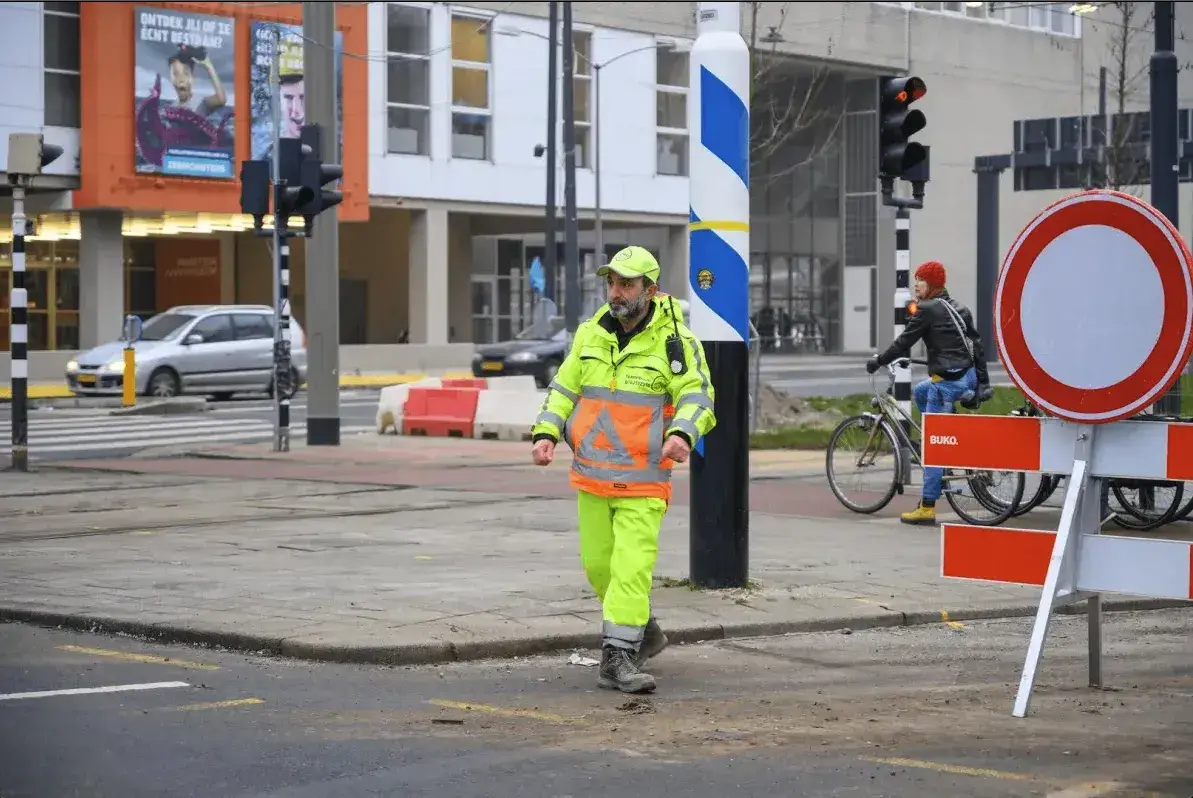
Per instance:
x=1146, y=505
x=1048, y=485
x=872, y=457
x=996, y=493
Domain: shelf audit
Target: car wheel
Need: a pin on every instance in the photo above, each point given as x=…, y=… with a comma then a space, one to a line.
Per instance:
x=164, y=383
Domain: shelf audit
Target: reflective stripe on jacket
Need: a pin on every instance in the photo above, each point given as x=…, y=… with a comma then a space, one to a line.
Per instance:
x=616, y=407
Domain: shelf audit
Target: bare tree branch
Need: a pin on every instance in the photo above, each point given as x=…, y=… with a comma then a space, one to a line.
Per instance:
x=786, y=104
x=1123, y=170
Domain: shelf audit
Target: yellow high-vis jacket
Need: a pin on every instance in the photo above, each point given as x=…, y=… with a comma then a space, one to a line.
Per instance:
x=615, y=407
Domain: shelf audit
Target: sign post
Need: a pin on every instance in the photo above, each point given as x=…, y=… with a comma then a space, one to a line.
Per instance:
x=1094, y=322
x=132, y=334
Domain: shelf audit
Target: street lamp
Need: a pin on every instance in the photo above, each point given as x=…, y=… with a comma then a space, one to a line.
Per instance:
x=596, y=132
x=596, y=123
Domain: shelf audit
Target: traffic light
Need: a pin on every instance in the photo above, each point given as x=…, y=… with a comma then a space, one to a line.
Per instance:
x=28, y=154
x=254, y=190
x=897, y=155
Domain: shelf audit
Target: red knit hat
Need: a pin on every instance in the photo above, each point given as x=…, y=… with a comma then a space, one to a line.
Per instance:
x=931, y=272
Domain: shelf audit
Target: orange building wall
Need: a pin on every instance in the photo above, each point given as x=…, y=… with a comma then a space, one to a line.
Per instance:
x=107, y=51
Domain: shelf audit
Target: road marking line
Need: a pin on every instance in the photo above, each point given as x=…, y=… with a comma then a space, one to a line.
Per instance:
x=125, y=655
x=235, y=702
x=116, y=688
x=492, y=710
x=958, y=770
x=944, y=618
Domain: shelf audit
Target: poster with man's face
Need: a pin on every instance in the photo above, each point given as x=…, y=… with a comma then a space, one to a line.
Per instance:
x=292, y=85
x=184, y=90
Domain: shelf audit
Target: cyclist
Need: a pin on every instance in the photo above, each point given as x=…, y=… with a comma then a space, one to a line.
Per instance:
x=956, y=364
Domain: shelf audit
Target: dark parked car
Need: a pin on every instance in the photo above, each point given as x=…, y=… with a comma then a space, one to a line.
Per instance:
x=538, y=350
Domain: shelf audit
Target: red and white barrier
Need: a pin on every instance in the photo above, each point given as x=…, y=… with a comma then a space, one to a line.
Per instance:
x=501, y=408
x=1094, y=323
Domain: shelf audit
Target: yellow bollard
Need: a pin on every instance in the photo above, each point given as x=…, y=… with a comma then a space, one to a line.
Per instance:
x=130, y=377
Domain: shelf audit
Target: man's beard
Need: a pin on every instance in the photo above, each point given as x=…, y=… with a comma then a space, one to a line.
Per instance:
x=627, y=309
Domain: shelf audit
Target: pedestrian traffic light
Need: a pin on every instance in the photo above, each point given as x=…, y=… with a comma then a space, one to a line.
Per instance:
x=897, y=155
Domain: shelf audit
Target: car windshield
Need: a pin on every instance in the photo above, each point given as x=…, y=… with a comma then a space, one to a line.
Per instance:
x=542, y=330
x=165, y=326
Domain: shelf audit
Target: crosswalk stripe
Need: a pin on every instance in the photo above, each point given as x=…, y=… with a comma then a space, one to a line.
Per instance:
x=103, y=433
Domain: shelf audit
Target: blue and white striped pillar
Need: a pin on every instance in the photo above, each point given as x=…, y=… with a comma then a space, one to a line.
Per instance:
x=902, y=299
x=719, y=251
x=19, y=336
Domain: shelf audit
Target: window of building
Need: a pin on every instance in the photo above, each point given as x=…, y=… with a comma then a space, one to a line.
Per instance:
x=582, y=96
x=1049, y=17
x=671, y=112
x=408, y=79
x=61, y=47
x=472, y=114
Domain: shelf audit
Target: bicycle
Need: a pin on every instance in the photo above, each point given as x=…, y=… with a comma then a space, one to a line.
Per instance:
x=886, y=426
x=1145, y=513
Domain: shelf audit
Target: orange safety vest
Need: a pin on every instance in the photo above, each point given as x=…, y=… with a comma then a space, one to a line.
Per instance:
x=616, y=438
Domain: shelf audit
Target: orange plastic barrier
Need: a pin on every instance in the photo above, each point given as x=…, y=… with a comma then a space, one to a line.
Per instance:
x=466, y=382
x=440, y=412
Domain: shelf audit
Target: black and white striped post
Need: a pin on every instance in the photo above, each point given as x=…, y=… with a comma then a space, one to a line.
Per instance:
x=902, y=299
x=28, y=154
x=19, y=337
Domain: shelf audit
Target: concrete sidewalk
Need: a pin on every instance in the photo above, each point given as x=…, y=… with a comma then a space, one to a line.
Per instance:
x=397, y=572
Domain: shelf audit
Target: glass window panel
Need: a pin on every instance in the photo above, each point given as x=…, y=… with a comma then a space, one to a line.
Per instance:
x=408, y=29
x=582, y=52
x=470, y=136
x=470, y=39
x=66, y=288
x=39, y=331
x=671, y=110
x=37, y=283
x=62, y=99
x=142, y=291
x=409, y=131
x=470, y=87
x=671, y=68
x=408, y=81
x=66, y=330
x=580, y=99
x=672, y=154
x=61, y=40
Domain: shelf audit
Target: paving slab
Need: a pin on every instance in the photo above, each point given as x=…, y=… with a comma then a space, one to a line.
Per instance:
x=403, y=574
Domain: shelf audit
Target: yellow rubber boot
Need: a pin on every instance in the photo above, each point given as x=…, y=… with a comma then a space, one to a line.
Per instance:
x=920, y=515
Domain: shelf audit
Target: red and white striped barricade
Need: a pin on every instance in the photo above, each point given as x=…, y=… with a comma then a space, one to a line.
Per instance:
x=1094, y=323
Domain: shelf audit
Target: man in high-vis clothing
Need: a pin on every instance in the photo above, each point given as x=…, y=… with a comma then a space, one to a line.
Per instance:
x=631, y=399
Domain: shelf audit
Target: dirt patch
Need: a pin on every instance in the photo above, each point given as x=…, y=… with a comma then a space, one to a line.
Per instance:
x=777, y=410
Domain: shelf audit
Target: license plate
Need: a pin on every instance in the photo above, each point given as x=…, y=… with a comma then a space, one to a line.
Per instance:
x=492, y=367
x=86, y=379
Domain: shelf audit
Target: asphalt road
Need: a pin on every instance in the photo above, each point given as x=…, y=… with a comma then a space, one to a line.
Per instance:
x=900, y=713
x=71, y=433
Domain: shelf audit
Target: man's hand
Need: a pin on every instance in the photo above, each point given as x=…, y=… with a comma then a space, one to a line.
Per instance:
x=985, y=393
x=676, y=448
x=543, y=452
x=872, y=365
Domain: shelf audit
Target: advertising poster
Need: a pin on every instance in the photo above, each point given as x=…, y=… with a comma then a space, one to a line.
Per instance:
x=293, y=86
x=184, y=93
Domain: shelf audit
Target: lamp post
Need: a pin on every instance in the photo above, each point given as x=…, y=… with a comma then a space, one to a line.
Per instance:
x=596, y=124
x=596, y=133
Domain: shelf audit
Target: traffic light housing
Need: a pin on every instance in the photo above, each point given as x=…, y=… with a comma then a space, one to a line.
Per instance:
x=317, y=175
x=28, y=154
x=898, y=156
x=254, y=190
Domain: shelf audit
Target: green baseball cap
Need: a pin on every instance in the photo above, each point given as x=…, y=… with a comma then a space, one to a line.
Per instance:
x=632, y=262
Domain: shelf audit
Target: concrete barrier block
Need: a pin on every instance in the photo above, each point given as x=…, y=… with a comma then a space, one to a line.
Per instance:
x=392, y=400
x=520, y=382
x=506, y=415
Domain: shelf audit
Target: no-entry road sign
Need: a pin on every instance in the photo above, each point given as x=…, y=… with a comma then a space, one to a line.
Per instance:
x=1094, y=307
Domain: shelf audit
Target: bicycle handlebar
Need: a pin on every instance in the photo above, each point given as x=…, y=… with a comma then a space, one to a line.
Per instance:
x=903, y=361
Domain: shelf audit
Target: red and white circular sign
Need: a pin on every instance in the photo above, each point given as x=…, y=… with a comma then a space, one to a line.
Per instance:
x=1094, y=307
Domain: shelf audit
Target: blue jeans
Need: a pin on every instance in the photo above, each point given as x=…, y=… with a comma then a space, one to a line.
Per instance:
x=938, y=397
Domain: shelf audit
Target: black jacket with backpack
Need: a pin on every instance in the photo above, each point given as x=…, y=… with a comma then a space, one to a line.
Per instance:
x=939, y=323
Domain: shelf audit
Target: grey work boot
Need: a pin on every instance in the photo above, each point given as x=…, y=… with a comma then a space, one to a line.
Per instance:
x=653, y=642
x=618, y=672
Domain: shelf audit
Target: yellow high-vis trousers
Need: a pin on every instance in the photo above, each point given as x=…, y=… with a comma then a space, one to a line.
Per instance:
x=619, y=544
